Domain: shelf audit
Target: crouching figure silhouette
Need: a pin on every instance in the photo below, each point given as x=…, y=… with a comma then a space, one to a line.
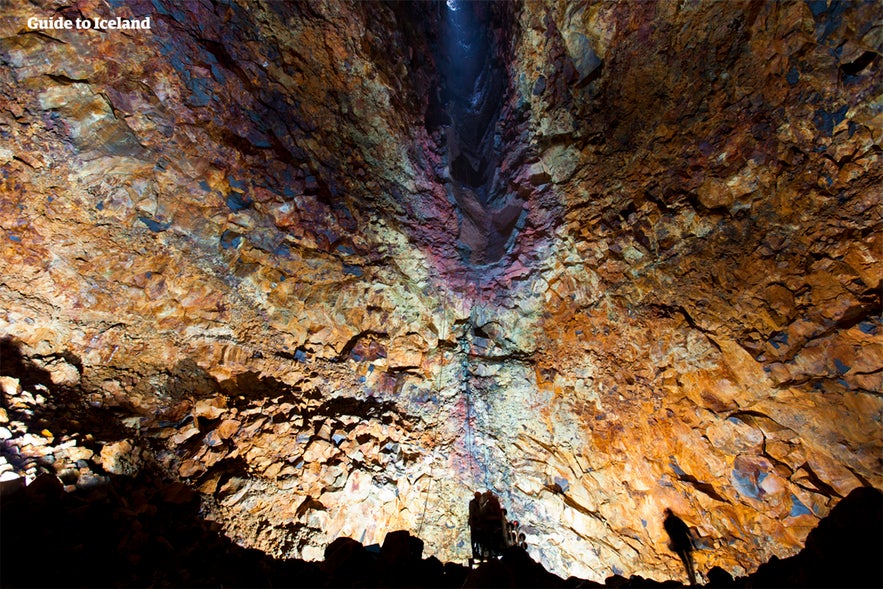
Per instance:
x=681, y=541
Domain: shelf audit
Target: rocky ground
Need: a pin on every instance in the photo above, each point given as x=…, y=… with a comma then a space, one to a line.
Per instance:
x=112, y=517
x=106, y=498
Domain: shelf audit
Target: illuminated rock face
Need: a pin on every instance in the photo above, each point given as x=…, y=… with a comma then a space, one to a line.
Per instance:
x=244, y=229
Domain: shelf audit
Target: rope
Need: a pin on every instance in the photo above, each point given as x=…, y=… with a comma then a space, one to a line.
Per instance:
x=470, y=413
x=437, y=389
x=470, y=434
x=426, y=500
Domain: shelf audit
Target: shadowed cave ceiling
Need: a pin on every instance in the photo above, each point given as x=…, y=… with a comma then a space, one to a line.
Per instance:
x=337, y=265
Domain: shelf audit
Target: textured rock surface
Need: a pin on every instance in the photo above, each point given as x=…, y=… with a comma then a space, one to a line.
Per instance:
x=242, y=233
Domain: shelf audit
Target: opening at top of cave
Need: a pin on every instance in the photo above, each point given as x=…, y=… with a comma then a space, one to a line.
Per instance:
x=284, y=284
x=474, y=82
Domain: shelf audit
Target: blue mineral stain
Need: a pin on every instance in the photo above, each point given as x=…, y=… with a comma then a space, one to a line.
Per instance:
x=148, y=274
x=362, y=379
x=793, y=76
x=50, y=198
x=744, y=484
x=258, y=139
x=833, y=19
x=238, y=202
x=300, y=356
x=867, y=327
x=15, y=238
x=841, y=367
x=797, y=507
x=779, y=339
x=345, y=250
x=353, y=270
x=617, y=570
x=283, y=251
x=678, y=470
x=100, y=206
x=643, y=522
x=216, y=71
x=204, y=185
x=817, y=7
x=237, y=184
x=200, y=92
x=826, y=121
x=563, y=483
x=175, y=12
x=230, y=240
x=158, y=6
x=154, y=226
x=176, y=62
x=337, y=439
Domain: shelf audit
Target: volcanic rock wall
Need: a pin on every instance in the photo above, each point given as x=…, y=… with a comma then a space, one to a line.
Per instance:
x=239, y=231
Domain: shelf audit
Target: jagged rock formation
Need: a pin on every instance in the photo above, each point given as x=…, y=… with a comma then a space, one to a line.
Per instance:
x=334, y=275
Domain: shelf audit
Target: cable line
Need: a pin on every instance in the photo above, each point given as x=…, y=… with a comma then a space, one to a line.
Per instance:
x=437, y=390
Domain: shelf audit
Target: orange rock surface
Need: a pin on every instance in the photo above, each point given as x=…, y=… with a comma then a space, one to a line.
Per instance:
x=237, y=230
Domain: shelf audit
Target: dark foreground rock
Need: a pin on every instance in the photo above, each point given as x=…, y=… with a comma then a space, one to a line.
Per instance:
x=145, y=531
x=357, y=254
x=844, y=550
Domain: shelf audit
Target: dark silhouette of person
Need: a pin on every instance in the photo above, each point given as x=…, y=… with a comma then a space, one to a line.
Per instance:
x=504, y=531
x=681, y=541
x=493, y=536
x=475, y=525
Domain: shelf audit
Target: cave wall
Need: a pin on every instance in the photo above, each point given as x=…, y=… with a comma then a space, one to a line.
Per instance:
x=239, y=231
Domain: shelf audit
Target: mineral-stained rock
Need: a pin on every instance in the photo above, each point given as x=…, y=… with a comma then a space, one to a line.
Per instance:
x=190, y=468
x=209, y=408
x=336, y=277
x=227, y=428
x=185, y=434
x=121, y=458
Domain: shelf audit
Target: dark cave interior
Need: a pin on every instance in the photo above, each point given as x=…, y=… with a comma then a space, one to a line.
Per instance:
x=472, y=54
x=284, y=283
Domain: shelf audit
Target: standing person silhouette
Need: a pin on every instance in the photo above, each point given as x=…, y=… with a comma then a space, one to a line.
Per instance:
x=475, y=530
x=681, y=541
